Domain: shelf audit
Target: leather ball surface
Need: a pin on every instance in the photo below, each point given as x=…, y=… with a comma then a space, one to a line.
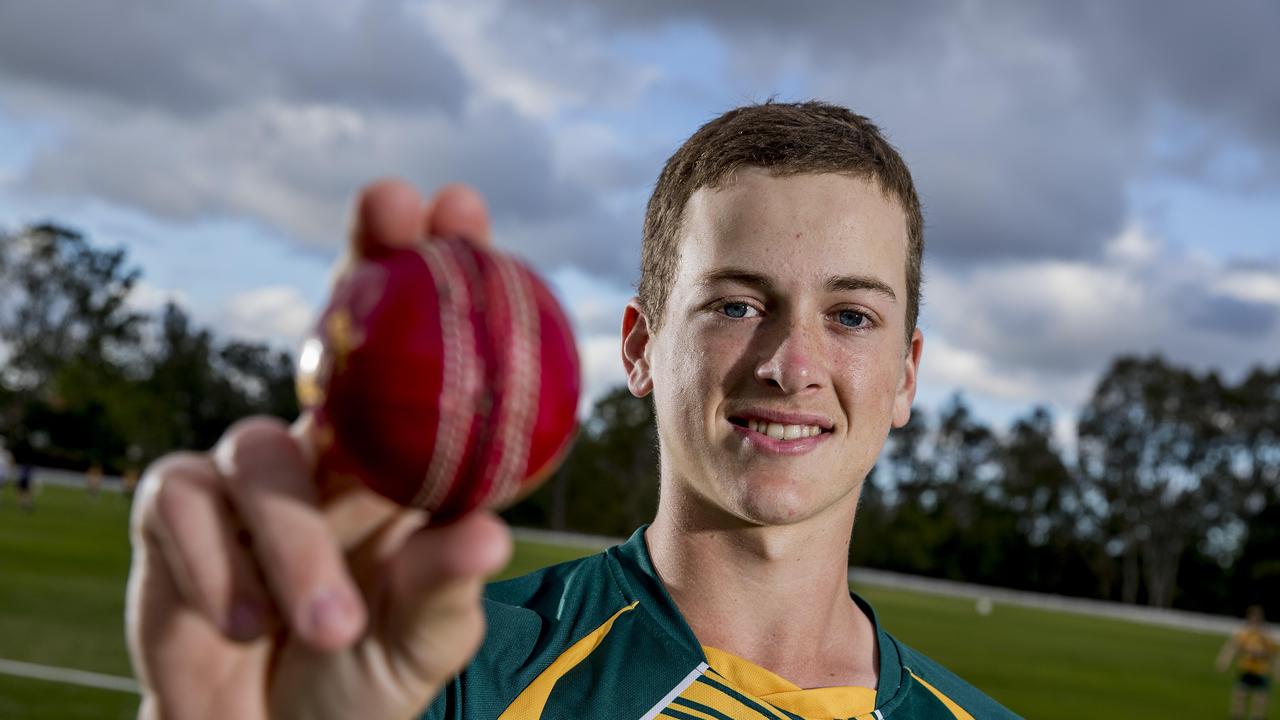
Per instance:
x=443, y=376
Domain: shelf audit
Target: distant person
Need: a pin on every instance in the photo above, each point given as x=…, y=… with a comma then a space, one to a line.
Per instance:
x=26, y=489
x=6, y=467
x=129, y=482
x=1254, y=652
x=93, y=481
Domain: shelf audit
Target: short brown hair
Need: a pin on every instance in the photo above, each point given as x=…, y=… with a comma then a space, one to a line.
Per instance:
x=784, y=139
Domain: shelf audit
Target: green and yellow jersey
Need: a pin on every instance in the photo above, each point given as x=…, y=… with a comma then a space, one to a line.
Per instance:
x=600, y=638
x=1256, y=651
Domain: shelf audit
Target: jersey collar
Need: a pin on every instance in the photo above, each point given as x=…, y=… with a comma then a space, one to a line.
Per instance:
x=632, y=567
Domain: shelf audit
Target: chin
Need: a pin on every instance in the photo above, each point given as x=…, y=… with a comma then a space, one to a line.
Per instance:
x=787, y=502
x=774, y=505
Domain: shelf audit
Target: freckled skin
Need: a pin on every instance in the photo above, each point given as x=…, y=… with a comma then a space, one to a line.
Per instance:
x=788, y=347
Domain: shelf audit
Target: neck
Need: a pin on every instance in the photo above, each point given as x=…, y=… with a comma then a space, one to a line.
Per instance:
x=780, y=594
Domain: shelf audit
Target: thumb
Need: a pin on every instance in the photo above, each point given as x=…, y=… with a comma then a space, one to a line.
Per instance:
x=435, y=620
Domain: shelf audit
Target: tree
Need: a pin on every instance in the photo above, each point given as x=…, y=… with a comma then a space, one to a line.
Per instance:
x=64, y=301
x=263, y=375
x=193, y=387
x=608, y=484
x=1152, y=449
x=1042, y=492
x=66, y=336
x=896, y=528
x=1255, y=573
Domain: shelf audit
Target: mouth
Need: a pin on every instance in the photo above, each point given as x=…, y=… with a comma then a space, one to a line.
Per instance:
x=780, y=429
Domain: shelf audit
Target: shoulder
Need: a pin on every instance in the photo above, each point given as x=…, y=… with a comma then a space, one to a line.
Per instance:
x=531, y=620
x=574, y=591
x=948, y=687
x=552, y=636
x=534, y=617
x=531, y=588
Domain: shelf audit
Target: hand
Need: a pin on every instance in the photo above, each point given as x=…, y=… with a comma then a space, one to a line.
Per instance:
x=258, y=590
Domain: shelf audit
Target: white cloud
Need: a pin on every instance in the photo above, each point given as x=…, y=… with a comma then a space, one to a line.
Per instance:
x=1134, y=245
x=539, y=64
x=594, y=307
x=1256, y=285
x=1045, y=330
x=946, y=365
x=601, y=357
x=278, y=315
x=293, y=167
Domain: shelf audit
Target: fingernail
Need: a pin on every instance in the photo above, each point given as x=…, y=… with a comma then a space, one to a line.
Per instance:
x=244, y=621
x=328, y=616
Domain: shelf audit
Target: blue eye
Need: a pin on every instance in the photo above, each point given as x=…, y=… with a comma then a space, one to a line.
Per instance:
x=735, y=309
x=851, y=318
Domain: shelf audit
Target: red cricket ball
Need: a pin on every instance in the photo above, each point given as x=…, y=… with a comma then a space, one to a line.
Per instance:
x=444, y=376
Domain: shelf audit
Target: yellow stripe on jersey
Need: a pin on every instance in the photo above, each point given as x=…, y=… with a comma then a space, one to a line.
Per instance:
x=531, y=701
x=753, y=680
x=955, y=709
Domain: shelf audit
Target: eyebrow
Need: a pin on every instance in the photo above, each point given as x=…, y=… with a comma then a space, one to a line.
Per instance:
x=835, y=283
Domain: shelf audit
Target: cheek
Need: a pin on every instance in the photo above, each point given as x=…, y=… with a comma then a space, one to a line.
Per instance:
x=870, y=388
x=683, y=381
x=701, y=363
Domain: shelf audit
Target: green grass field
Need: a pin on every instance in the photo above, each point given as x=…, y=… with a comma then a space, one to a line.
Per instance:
x=62, y=571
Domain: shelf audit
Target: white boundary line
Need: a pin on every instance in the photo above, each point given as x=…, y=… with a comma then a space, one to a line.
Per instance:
x=1177, y=619
x=69, y=676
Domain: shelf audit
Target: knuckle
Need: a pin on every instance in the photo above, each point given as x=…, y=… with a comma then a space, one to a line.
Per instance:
x=254, y=441
x=255, y=433
x=164, y=485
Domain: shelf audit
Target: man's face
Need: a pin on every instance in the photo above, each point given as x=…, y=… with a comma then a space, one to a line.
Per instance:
x=780, y=364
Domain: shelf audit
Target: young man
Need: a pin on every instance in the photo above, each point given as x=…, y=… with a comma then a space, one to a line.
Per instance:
x=776, y=328
x=6, y=462
x=1254, y=652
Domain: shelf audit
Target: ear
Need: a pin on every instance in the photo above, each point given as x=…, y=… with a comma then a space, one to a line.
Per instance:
x=635, y=349
x=906, y=394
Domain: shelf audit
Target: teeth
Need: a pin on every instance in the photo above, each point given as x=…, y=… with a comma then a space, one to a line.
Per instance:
x=778, y=431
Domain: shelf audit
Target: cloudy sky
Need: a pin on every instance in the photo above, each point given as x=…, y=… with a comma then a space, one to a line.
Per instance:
x=1098, y=177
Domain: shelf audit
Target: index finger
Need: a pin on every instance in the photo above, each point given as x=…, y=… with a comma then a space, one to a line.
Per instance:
x=268, y=475
x=458, y=210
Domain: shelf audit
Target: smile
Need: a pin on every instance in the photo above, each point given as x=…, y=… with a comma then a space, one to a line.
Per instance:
x=778, y=431
x=781, y=428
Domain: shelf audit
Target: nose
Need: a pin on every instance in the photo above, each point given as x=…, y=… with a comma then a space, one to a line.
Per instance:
x=795, y=359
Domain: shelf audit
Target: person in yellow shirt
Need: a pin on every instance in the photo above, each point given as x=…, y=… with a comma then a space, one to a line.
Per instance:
x=1254, y=652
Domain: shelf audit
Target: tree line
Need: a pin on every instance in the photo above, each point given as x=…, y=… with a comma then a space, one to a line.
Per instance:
x=1169, y=495
x=88, y=379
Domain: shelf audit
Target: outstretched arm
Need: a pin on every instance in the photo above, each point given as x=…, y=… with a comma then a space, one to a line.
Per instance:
x=1226, y=654
x=261, y=590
